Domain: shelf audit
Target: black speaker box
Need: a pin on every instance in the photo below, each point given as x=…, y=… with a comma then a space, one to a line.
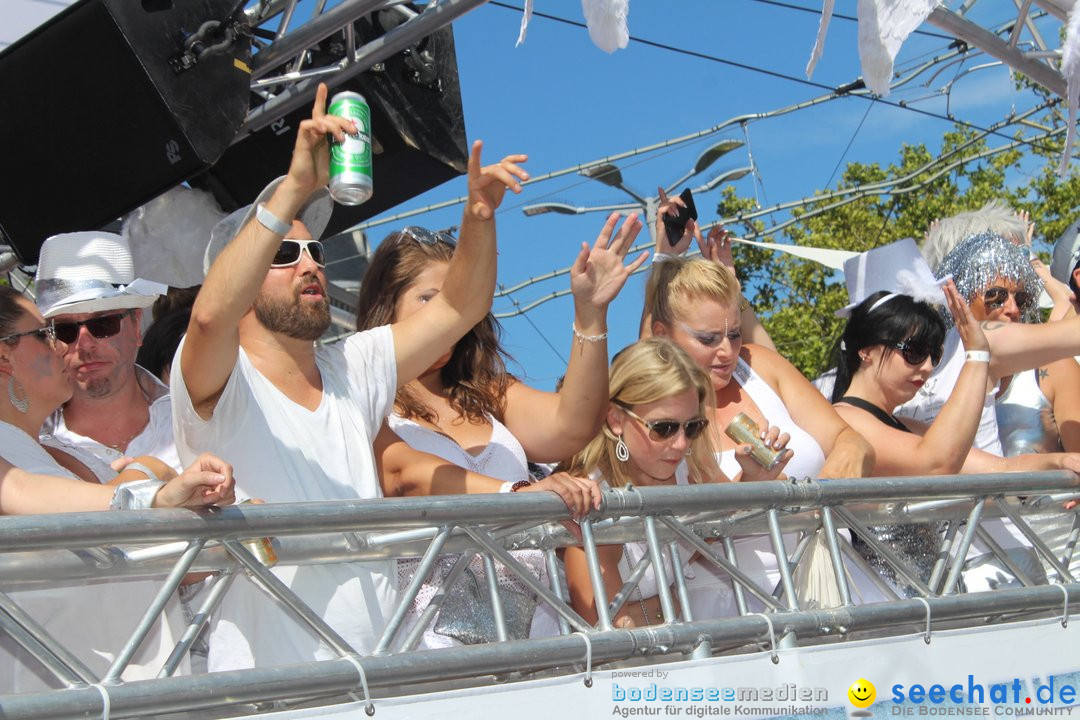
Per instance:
x=417, y=122
x=96, y=122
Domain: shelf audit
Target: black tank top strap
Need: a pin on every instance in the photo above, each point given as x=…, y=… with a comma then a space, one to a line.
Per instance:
x=875, y=411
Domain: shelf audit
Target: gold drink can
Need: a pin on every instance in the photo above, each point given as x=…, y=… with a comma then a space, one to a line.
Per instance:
x=262, y=549
x=743, y=430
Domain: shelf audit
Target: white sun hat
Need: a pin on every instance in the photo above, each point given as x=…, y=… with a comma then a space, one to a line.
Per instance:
x=315, y=214
x=898, y=268
x=85, y=272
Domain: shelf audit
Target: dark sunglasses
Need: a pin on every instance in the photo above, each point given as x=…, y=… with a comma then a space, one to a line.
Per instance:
x=289, y=251
x=915, y=353
x=427, y=237
x=665, y=429
x=101, y=327
x=45, y=334
x=997, y=296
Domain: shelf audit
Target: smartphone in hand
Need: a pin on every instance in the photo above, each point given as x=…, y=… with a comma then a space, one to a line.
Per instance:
x=675, y=226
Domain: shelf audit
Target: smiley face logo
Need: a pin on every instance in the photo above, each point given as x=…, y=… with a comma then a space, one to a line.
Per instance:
x=861, y=693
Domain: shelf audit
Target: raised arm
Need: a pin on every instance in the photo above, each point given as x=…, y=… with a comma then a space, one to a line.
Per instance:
x=234, y=280
x=716, y=246
x=1015, y=347
x=421, y=338
x=554, y=426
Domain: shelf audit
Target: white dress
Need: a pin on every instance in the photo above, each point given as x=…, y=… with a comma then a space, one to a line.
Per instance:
x=502, y=458
x=92, y=619
x=755, y=554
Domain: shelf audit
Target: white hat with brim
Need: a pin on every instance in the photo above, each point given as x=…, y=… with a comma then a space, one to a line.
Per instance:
x=88, y=272
x=1066, y=253
x=898, y=268
x=315, y=214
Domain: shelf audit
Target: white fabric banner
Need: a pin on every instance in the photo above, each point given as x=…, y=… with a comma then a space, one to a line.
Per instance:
x=996, y=668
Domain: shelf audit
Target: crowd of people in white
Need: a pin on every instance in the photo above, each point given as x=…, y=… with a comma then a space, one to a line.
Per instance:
x=229, y=396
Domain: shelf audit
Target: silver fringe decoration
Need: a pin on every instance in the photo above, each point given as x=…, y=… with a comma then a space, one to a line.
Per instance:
x=980, y=260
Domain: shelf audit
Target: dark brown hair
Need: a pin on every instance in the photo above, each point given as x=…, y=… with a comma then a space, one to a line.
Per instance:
x=476, y=372
x=10, y=310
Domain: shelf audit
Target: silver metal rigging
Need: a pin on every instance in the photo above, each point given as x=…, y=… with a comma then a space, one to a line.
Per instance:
x=38, y=551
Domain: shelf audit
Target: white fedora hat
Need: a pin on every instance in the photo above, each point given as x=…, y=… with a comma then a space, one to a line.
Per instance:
x=315, y=214
x=1066, y=253
x=898, y=267
x=84, y=272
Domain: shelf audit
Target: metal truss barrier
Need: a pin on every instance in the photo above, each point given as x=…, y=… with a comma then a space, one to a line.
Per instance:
x=37, y=551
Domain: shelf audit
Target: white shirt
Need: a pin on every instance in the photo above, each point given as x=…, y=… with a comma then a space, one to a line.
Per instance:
x=283, y=452
x=156, y=438
x=92, y=619
x=931, y=397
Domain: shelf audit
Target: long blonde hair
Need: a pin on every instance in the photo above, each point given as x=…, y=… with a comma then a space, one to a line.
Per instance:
x=675, y=283
x=647, y=371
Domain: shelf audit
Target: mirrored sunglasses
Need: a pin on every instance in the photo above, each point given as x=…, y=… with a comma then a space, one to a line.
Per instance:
x=915, y=353
x=104, y=326
x=666, y=429
x=45, y=334
x=427, y=237
x=995, y=297
x=289, y=251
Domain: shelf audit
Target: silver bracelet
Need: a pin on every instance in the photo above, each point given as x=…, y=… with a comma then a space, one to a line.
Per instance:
x=135, y=495
x=272, y=222
x=583, y=338
x=977, y=356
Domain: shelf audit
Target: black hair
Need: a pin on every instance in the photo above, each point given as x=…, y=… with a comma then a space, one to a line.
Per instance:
x=161, y=340
x=10, y=310
x=1072, y=280
x=900, y=318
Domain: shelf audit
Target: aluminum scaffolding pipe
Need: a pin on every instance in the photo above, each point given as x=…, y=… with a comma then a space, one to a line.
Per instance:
x=65, y=530
x=215, y=690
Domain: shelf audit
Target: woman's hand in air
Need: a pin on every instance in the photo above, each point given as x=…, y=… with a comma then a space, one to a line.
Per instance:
x=599, y=272
x=970, y=329
x=670, y=207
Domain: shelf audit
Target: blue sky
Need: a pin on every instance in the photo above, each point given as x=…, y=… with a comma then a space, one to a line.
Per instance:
x=564, y=101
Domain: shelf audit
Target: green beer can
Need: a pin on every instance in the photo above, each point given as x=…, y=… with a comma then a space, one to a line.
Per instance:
x=350, y=161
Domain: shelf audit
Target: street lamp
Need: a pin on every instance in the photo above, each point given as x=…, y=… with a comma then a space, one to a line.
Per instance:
x=611, y=176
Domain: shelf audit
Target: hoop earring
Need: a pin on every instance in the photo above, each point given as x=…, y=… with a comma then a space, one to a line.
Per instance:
x=17, y=395
x=622, y=453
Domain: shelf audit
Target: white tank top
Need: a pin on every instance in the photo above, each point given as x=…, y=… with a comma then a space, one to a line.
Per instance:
x=808, y=458
x=502, y=458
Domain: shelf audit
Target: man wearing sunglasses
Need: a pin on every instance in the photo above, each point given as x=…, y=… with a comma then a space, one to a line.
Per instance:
x=296, y=419
x=85, y=284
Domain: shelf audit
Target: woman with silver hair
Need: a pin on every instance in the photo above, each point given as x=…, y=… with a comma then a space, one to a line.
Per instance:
x=1037, y=410
x=1036, y=407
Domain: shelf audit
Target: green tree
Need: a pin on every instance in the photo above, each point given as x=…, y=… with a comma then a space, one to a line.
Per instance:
x=796, y=299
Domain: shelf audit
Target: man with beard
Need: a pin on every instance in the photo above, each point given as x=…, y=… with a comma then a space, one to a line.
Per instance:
x=85, y=284
x=297, y=420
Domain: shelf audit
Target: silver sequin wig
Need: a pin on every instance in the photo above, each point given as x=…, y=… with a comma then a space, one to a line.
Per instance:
x=979, y=260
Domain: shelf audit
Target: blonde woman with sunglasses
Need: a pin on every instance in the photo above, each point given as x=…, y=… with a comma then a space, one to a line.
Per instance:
x=655, y=434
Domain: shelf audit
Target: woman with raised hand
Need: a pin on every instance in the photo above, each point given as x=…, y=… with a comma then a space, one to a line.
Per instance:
x=41, y=479
x=888, y=349
x=695, y=303
x=466, y=424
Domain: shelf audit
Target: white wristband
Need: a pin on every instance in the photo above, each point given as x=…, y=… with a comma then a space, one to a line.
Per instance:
x=271, y=222
x=977, y=356
x=506, y=487
x=661, y=257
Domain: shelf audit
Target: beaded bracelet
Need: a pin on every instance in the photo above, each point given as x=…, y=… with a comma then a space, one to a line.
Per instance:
x=583, y=338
